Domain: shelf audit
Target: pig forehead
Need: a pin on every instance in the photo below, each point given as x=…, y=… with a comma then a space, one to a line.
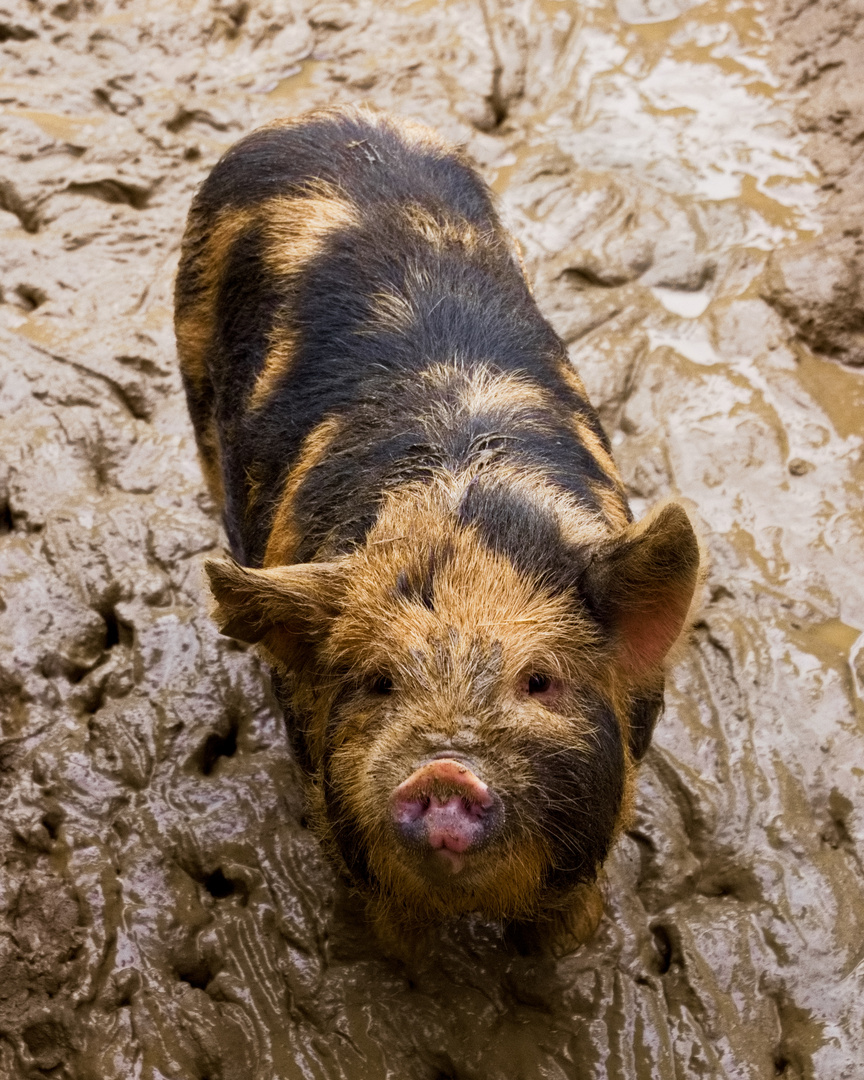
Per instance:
x=452, y=580
x=457, y=655
x=469, y=626
x=463, y=619
x=433, y=570
x=479, y=539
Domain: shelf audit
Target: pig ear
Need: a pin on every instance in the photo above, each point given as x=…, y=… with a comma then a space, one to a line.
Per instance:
x=287, y=608
x=642, y=585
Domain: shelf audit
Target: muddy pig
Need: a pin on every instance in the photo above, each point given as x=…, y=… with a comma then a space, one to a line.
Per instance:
x=432, y=545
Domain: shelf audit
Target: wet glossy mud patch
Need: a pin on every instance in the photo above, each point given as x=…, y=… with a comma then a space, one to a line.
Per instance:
x=164, y=911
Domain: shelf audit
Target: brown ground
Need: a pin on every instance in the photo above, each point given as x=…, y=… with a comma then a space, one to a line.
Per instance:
x=819, y=284
x=163, y=911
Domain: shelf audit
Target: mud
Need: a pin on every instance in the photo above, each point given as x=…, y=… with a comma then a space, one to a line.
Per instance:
x=164, y=911
x=819, y=50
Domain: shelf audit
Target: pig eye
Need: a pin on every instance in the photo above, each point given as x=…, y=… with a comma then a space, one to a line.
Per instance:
x=381, y=684
x=538, y=684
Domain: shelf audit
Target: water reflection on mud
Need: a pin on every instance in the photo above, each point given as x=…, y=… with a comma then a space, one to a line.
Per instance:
x=165, y=912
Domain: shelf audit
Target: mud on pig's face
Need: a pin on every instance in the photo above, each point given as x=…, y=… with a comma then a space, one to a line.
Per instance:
x=470, y=729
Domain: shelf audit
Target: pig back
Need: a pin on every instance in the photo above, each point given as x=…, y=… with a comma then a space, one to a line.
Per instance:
x=351, y=316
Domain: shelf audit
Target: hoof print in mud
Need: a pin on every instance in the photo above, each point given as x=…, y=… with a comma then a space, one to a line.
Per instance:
x=432, y=544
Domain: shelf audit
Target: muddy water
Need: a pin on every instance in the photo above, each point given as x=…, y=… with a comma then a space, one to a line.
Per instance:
x=164, y=911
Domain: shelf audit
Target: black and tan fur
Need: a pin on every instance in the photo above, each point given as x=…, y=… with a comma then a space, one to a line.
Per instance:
x=425, y=516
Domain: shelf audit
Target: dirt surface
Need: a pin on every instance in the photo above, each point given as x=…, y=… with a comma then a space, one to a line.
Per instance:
x=819, y=284
x=164, y=913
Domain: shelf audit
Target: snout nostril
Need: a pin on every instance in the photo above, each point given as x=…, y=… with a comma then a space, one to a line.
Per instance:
x=443, y=806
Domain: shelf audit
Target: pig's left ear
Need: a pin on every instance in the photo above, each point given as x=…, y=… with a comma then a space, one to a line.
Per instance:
x=641, y=586
x=286, y=608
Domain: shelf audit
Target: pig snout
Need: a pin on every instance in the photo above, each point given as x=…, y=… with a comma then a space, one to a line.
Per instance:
x=444, y=811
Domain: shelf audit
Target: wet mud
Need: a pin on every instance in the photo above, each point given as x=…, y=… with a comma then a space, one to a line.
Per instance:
x=164, y=912
x=819, y=50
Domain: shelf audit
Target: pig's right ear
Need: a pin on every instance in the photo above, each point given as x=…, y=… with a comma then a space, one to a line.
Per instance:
x=286, y=608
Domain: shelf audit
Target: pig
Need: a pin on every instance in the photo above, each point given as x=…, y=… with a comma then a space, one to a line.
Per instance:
x=432, y=546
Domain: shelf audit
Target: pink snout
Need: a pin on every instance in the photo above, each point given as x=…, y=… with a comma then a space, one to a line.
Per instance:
x=445, y=811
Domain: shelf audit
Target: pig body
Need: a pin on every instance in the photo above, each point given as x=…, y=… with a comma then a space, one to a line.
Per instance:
x=433, y=546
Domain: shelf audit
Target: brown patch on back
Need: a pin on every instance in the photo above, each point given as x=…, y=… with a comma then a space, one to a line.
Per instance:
x=612, y=498
x=280, y=356
x=594, y=444
x=210, y=459
x=206, y=247
x=613, y=505
x=573, y=380
x=520, y=259
x=482, y=391
x=296, y=228
x=489, y=391
x=391, y=311
x=442, y=231
x=284, y=535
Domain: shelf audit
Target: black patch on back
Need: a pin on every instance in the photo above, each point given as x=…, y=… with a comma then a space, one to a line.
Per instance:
x=579, y=798
x=363, y=160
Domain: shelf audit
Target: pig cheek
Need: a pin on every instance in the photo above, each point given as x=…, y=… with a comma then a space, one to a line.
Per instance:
x=364, y=775
x=581, y=796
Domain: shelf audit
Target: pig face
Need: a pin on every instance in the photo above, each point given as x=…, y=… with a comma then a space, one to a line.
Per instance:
x=470, y=710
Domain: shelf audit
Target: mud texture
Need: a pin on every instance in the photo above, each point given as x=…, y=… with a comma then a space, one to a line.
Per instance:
x=164, y=913
x=819, y=284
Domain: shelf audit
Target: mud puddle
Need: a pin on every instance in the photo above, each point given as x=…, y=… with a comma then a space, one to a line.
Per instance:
x=165, y=912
